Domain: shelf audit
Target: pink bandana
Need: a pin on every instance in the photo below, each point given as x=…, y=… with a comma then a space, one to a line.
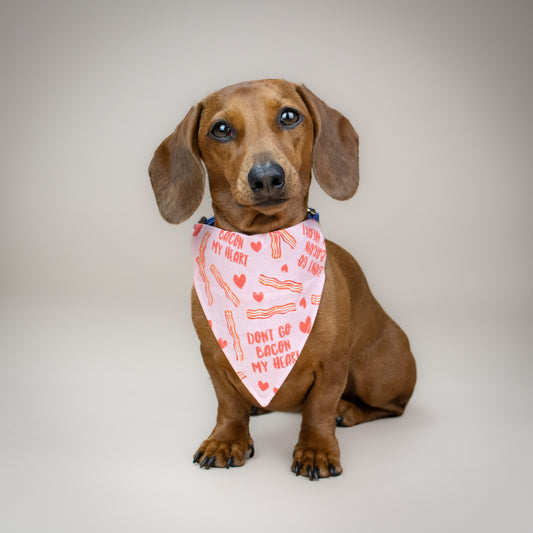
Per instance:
x=260, y=294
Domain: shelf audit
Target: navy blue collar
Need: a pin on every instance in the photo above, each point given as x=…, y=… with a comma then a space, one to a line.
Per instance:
x=311, y=213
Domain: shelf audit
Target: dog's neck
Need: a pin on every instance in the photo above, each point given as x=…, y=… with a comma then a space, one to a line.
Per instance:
x=251, y=222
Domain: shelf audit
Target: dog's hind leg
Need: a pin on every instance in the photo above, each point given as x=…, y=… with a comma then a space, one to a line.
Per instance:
x=380, y=381
x=351, y=413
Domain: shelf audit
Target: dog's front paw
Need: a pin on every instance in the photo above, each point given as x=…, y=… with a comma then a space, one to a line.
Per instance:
x=316, y=462
x=223, y=454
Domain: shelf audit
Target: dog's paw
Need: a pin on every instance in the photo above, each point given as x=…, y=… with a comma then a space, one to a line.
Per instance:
x=315, y=463
x=222, y=454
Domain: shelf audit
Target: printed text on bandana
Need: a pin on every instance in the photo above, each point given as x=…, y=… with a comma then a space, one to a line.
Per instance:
x=232, y=244
x=272, y=347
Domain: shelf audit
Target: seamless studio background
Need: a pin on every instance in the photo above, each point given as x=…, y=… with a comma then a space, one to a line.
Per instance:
x=103, y=395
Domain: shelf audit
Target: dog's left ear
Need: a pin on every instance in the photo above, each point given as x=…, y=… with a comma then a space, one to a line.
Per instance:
x=336, y=148
x=176, y=171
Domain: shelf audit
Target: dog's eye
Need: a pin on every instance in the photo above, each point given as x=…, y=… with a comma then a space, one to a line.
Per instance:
x=221, y=131
x=289, y=118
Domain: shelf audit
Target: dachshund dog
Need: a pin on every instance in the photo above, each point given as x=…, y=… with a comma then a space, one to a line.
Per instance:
x=259, y=142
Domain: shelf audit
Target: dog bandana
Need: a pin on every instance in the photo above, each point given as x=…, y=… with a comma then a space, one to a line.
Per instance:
x=260, y=294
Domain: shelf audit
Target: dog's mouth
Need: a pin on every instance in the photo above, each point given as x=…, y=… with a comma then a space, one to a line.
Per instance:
x=270, y=202
x=270, y=206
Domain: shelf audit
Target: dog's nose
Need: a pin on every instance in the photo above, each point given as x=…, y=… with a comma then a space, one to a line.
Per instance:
x=266, y=179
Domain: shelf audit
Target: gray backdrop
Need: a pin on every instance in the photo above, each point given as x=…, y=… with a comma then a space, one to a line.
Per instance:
x=440, y=94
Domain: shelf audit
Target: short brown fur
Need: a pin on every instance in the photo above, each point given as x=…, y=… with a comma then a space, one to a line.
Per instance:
x=356, y=365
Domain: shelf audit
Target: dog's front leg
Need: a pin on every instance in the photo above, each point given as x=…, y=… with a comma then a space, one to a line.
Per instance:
x=230, y=439
x=317, y=455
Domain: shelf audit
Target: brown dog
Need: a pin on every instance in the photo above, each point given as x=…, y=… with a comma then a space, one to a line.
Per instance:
x=259, y=142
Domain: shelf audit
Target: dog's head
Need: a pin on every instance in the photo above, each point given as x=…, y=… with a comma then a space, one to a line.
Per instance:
x=258, y=141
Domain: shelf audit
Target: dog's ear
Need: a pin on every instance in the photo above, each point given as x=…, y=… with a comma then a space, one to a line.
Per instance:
x=176, y=171
x=336, y=148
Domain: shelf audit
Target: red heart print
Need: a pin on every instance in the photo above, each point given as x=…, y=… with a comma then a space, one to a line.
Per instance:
x=197, y=229
x=305, y=327
x=303, y=303
x=256, y=246
x=275, y=390
x=210, y=323
x=239, y=280
x=263, y=386
x=258, y=296
x=222, y=343
x=285, y=268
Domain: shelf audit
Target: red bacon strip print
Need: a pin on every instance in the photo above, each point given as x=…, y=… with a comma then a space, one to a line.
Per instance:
x=232, y=297
x=200, y=260
x=275, y=242
x=290, y=285
x=254, y=314
x=275, y=245
x=230, y=322
x=287, y=238
x=315, y=299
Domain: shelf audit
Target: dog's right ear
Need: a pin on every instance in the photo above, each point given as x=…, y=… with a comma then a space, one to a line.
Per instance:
x=176, y=171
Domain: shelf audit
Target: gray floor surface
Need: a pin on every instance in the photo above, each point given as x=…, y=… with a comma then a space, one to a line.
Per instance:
x=102, y=408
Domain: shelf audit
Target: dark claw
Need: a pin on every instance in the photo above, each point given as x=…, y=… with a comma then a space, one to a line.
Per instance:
x=211, y=462
x=204, y=462
x=333, y=471
x=339, y=421
x=310, y=473
x=297, y=469
x=252, y=450
x=230, y=462
x=196, y=458
x=317, y=473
